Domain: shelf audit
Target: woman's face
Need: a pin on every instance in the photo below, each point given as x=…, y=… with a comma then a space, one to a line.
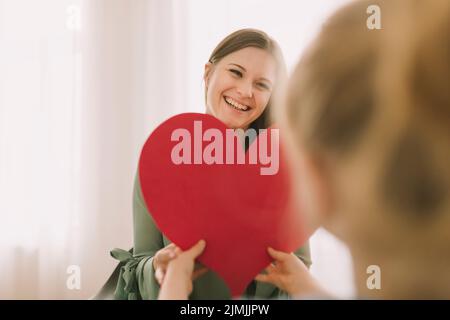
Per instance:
x=239, y=86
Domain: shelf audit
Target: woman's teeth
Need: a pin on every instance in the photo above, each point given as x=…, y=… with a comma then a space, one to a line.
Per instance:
x=236, y=104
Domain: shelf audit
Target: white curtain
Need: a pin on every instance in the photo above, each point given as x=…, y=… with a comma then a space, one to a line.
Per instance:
x=82, y=84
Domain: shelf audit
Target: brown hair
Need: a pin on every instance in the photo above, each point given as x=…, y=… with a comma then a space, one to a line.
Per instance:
x=389, y=87
x=253, y=38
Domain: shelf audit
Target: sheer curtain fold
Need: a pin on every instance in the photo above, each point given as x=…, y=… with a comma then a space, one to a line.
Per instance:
x=80, y=91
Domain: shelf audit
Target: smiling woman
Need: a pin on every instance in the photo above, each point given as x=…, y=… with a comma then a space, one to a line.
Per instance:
x=236, y=94
x=241, y=77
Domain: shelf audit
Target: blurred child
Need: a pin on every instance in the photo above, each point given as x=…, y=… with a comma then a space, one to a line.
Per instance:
x=366, y=116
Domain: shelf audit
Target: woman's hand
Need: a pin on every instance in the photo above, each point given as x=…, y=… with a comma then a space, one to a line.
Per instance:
x=162, y=259
x=177, y=283
x=290, y=274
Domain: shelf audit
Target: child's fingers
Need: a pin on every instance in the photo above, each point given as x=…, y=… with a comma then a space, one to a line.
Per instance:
x=271, y=269
x=165, y=256
x=263, y=278
x=199, y=272
x=199, y=267
x=277, y=255
x=159, y=275
x=171, y=246
x=197, y=249
x=170, y=250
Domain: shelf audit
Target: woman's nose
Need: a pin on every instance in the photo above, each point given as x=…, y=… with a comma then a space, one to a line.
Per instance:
x=245, y=89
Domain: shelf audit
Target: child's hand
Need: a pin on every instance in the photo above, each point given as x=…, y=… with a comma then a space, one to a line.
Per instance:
x=162, y=259
x=289, y=274
x=177, y=283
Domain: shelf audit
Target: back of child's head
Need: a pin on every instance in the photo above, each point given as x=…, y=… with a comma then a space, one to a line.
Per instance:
x=373, y=108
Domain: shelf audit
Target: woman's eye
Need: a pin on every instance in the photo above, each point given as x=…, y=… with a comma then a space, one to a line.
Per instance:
x=263, y=85
x=236, y=72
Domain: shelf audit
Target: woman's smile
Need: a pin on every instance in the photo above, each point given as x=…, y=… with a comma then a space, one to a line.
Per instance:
x=235, y=104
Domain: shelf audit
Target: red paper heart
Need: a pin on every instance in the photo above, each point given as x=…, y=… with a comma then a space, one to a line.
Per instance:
x=238, y=211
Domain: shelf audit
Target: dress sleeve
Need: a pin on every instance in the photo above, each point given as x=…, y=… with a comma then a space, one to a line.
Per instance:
x=136, y=279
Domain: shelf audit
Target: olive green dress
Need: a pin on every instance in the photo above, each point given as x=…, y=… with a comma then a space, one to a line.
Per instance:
x=137, y=281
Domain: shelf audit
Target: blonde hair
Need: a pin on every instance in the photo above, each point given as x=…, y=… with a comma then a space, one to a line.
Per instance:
x=389, y=87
